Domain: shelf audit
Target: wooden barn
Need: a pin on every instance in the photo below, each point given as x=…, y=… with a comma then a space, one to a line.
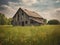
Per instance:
x=24, y=17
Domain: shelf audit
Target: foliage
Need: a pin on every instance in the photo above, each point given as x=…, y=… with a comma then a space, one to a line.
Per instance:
x=9, y=21
x=55, y=37
x=45, y=21
x=30, y=35
x=53, y=22
x=4, y=20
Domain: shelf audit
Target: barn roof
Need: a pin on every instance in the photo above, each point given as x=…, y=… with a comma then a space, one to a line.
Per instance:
x=31, y=13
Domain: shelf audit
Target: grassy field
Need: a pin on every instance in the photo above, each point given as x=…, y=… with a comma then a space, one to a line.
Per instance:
x=30, y=35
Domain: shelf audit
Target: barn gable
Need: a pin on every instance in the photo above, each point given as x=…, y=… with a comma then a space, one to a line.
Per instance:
x=24, y=17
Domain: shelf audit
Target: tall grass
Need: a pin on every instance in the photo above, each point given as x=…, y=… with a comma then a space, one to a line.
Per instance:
x=30, y=35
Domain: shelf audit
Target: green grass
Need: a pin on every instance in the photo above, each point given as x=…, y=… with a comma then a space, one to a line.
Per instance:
x=30, y=35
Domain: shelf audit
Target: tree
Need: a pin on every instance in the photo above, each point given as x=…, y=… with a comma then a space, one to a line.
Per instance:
x=45, y=21
x=53, y=22
x=9, y=21
x=2, y=19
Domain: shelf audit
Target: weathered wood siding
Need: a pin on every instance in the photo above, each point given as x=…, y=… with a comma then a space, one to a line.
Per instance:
x=22, y=19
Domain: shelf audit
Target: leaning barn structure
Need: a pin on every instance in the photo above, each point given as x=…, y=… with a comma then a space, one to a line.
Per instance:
x=24, y=17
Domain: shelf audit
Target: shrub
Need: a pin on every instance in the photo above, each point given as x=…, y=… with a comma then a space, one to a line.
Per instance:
x=53, y=22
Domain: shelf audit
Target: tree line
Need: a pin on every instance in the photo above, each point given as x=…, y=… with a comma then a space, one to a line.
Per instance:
x=5, y=21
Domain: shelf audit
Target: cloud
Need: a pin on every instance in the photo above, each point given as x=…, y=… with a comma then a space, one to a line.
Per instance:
x=29, y=2
x=57, y=1
x=49, y=9
x=8, y=11
x=40, y=4
x=53, y=13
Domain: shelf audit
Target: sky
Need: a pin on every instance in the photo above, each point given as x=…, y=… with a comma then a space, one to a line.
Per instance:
x=48, y=9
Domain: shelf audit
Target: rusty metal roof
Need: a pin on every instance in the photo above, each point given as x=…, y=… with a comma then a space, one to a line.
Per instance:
x=31, y=13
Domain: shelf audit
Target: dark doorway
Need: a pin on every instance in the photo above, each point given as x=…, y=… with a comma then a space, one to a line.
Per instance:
x=22, y=23
x=26, y=22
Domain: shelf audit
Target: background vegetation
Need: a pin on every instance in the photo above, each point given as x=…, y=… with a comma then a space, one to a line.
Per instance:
x=31, y=35
x=5, y=21
x=53, y=22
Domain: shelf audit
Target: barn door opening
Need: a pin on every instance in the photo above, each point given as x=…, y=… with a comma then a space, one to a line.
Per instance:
x=22, y=23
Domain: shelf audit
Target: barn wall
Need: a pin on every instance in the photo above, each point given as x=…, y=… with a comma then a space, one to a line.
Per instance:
x=21, y=18
x=40, y=21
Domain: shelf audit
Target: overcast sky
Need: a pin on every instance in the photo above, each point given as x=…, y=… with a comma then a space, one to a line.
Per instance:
x=49, y=9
